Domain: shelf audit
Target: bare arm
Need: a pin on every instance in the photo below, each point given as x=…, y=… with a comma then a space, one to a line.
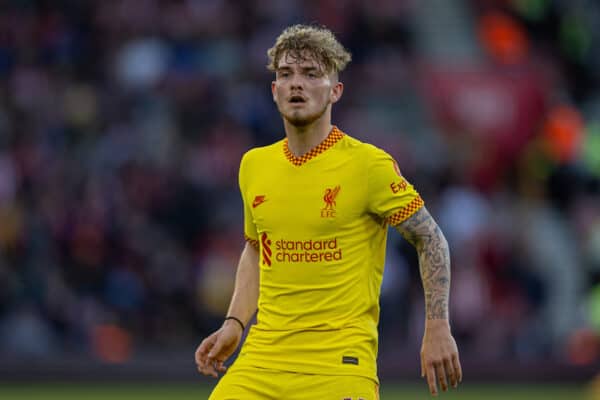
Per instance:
x=244, y=301
x=220, y=345
x=434, y=261
x=439, y=354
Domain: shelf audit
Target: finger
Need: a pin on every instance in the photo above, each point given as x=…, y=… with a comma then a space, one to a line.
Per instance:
x=203, y=370
x=200, y=357
x=450, y=371
x=221, y=367
x=457, y=367
x=202, y=360
x=215, y=349
x=431, y=381
x=441, y=375
x=204, y=348
x=203, y=367
x=217, y=366
x=209, y=370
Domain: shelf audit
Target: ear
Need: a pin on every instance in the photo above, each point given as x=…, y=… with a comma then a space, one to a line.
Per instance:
x=273, y=90
x=336, y=92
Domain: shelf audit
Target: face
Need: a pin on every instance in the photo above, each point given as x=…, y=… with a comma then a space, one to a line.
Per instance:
x=303, y=91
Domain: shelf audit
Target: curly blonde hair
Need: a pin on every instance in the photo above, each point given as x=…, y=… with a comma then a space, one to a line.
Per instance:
x=302, y=42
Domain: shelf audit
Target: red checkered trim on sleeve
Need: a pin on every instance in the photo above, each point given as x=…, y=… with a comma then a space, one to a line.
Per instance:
x=408, y=210
x=334, y=136
x=252, y=242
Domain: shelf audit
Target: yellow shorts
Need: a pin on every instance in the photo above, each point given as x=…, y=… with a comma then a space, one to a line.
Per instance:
x=266, y=384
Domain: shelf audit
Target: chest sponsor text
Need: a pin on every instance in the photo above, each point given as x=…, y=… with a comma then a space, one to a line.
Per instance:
x=307, y=251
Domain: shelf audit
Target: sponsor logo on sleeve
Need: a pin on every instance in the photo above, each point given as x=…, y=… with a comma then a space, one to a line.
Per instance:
x=401, y=185
x=398, y=186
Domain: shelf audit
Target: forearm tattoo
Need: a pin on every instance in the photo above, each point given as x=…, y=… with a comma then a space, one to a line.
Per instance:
x=434, y=260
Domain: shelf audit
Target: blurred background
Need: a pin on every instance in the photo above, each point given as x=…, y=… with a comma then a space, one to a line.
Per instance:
x=122, y=124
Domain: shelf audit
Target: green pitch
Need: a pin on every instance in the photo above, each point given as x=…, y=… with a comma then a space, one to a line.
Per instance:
x=153, y=391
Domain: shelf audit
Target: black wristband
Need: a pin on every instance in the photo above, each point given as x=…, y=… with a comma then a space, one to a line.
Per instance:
x=236, y=320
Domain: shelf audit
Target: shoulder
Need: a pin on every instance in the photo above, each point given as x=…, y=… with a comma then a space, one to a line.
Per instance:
x=367, y=155
x=350, y=142
x=360, y=148
x=259, y=154
x=376, y=162
x=368, y=152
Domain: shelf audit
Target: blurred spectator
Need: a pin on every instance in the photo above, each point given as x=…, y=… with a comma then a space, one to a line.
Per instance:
x=122, y=125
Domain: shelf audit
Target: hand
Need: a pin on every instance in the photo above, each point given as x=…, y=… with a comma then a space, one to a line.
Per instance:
x=439, y=356
x=217, y=348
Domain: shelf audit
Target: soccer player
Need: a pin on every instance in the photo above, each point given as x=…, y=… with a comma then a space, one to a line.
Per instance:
x=317, y=206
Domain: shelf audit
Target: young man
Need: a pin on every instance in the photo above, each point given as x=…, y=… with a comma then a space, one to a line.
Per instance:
x=317, y=206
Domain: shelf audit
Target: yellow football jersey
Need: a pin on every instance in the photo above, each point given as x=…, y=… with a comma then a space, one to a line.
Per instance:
x=319, y=223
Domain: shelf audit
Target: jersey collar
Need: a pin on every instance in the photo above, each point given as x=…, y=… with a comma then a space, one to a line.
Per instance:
x=334, y=136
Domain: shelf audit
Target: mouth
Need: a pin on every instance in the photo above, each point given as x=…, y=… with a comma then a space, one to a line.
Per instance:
x=296, y=99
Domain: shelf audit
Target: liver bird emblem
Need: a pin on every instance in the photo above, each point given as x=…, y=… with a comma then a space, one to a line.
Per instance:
x=329, y=197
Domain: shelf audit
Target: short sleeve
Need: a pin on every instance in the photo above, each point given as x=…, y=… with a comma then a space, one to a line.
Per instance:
x=390, y=196
x=250, y=232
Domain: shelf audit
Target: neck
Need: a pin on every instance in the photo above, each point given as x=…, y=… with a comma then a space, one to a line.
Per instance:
x=302, y=139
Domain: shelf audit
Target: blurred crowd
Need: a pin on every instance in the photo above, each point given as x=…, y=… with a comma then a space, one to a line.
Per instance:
x=122, y=124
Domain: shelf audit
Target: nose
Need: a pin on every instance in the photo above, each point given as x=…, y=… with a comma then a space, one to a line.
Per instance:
x=296, y=82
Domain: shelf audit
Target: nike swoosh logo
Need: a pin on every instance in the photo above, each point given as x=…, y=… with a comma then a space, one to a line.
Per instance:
x=258, y=200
